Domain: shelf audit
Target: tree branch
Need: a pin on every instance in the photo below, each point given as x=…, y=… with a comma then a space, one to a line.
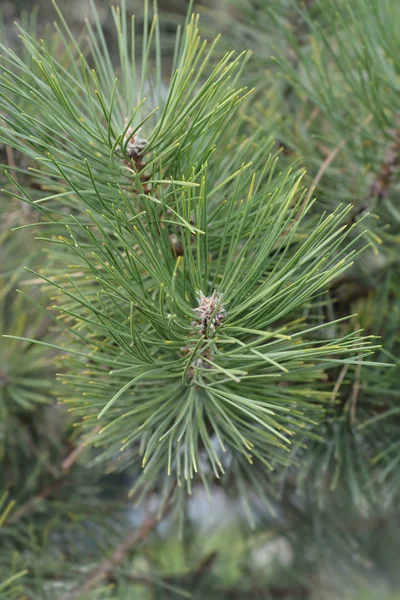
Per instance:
x=105, y=569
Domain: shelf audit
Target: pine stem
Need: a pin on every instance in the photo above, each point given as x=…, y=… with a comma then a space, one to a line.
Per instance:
x=105, y=569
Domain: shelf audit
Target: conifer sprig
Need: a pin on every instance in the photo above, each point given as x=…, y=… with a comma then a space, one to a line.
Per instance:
x=183, y=278
x=78, y=122
x=159, y=376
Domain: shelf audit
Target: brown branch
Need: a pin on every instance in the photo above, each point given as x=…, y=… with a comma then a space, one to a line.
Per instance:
x=105, y=569
x=339, y=380
x=314, y=114
x=71, y=459
x=327, y=162
x=37, y=453
x=380, y=187
x=29, y=507
x=9, y=151
x=191, y=578
x=354, y=395
x=10, y=157
x=204, y=567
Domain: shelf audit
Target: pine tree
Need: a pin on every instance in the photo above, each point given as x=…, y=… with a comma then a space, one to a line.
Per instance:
x=197, y=271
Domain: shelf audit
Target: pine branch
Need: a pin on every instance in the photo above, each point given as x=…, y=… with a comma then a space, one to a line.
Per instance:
x=105, y=569
x=28, y=508
x=191, y=580
x=59, y=481
x=329, y=160
x=74, y=455
x=214, y=351
x=354, y=395
x=380, y=187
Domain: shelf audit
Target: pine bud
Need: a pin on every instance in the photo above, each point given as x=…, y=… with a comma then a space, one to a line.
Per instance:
x=210, y=312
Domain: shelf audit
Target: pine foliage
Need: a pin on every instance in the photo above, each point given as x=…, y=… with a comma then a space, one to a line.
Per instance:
x=211, y=268
x=185, y=316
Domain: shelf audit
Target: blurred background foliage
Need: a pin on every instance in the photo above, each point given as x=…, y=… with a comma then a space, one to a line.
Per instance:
x=347, y=550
